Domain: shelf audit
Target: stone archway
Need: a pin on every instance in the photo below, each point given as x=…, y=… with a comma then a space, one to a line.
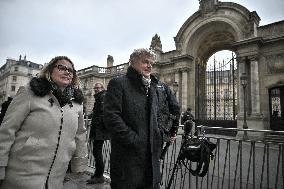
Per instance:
x=216, y=26
x=224, y=26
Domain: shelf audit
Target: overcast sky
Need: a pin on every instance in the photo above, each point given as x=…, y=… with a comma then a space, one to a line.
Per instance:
x=89, y=30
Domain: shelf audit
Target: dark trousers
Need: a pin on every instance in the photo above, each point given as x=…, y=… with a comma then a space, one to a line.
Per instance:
x=97, y=152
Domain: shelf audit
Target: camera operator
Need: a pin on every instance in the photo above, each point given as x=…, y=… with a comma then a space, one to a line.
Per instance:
x=188, y=120
x=168, y=116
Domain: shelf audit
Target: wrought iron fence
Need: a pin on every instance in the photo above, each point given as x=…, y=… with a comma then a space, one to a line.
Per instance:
x=237, y=164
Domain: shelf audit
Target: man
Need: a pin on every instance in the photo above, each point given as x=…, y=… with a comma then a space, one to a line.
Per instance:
x=98, y=134
x=131, y=116
x=187, y=120
x=168, y=116
x=4, y=108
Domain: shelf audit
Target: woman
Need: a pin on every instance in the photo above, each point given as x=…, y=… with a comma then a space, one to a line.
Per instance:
x=43, y=130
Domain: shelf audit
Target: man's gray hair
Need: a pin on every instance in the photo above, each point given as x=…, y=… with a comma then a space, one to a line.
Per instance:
x=140, y=53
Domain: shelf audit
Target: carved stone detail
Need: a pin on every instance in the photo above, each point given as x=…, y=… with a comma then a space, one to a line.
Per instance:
x=275, y=63
x=207, y=6
x=169, y=78
x=156, y=44
x=240, y=59
x=253, y=57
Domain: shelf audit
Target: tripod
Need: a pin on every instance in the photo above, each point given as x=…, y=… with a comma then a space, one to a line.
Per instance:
x=188, y=130
x=195, y=149
x=178, y=162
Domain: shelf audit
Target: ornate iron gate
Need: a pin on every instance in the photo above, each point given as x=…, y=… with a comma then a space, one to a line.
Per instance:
x=216, y=94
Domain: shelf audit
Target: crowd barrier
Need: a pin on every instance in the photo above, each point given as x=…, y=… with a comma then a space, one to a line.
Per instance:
x=239, y=162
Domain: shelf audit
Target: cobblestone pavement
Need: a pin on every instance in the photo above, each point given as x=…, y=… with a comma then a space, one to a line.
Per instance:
x=75, y=181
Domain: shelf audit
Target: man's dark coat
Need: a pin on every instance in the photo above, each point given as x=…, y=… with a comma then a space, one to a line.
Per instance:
x=131, y=117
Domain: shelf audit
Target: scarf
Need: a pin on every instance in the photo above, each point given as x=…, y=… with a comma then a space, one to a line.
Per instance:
x=63, y=97
x=146, y=82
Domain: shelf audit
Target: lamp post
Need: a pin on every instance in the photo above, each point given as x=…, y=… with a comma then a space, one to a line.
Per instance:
x=244, y=83
x=175, y=88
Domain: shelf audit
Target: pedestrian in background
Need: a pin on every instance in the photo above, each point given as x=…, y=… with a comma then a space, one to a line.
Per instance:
x=43, y=130
x=188, y=120
x=131, y=116
x=4, y=108
x=98, y=134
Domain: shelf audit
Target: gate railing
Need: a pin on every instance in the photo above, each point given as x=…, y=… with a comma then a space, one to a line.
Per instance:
x=237, y=164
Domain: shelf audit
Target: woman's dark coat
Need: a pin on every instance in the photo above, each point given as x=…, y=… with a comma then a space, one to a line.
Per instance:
x=131, y=117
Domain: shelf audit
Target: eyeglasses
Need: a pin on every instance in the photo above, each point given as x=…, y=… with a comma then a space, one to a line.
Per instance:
x=98, y=88
x=61, y=68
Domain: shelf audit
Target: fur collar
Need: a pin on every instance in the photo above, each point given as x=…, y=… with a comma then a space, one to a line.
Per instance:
x=41, y=87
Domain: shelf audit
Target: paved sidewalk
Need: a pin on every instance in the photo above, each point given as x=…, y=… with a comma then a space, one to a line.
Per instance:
x=75, y=181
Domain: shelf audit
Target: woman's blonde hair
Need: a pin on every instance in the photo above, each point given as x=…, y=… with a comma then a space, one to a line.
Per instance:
x=48, y=68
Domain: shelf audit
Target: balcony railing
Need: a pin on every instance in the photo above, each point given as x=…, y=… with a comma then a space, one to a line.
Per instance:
x=114, y=70
x=237, y=164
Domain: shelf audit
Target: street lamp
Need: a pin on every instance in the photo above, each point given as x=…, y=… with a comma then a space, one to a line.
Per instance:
x=175, y=88
x=244, y=83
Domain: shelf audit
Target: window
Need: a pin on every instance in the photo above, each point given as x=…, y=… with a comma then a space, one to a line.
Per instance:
x=13, y=88
x=14, y=78
x=16, y=69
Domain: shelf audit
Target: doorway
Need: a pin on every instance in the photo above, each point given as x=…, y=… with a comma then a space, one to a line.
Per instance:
x=276, y=104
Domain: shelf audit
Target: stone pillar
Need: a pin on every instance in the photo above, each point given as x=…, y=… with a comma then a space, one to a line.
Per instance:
x=179, y=85
x=184, y=95
x=109, y=61
x=241, y=66
x=254, y=118
x=255, y=96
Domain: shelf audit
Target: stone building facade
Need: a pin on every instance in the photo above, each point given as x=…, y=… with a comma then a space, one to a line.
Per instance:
x=14, y=74
x=216, y=26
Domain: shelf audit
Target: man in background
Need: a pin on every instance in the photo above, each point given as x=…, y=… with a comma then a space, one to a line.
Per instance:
x=4, y=108
x=98, y=134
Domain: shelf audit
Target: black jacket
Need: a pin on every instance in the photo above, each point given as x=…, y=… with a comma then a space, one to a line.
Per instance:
x=98, y=129
x=169, y=110
x=4, y=108
x=131, y=117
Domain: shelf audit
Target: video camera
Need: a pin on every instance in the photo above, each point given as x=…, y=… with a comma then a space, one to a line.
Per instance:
x=194, y=149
